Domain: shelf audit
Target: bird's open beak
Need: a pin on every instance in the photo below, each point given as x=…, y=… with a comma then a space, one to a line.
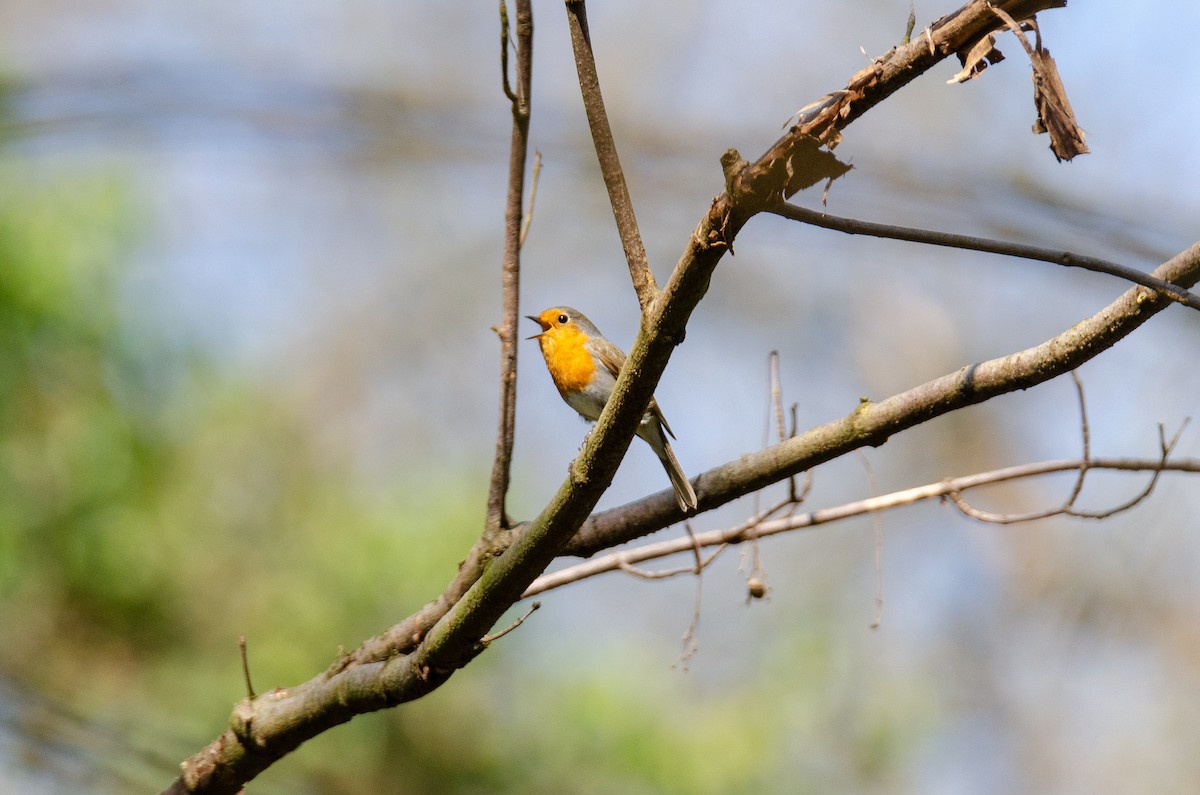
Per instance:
x=543, y=326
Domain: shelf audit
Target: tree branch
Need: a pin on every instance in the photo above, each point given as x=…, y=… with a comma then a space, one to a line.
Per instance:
x=510, y=279
x=775, y=174
x=606, y=152
x=754, y=529
x=1067, y=259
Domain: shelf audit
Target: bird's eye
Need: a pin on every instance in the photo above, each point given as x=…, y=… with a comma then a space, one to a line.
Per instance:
x=563, y=318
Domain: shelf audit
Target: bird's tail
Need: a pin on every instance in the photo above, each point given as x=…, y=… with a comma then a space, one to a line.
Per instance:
x=685, y=495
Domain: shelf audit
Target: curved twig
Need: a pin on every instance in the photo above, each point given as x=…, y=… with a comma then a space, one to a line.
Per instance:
x=626, y=559
x=1067, y=259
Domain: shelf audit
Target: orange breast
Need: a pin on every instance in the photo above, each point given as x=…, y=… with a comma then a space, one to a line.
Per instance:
x=570, y=364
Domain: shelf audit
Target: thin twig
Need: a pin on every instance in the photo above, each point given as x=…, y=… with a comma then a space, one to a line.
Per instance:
x=1085, y=434
x=645, y=574
x=691, y=637
x=489, y=638
x=533, y=186
x=510, y=279
x=780, y=429
x=803, y=521
x=690, y=642
x=991, y=517
x=504, y=45
x=606, y=153
x=664, y=574
x=1166, y=449
x=245, y=666
x=1067, y=509
x=687, y=525
x=1067, y=259
x=877, y=529
x=776, y=394
x=798, y=497
x=757, y=572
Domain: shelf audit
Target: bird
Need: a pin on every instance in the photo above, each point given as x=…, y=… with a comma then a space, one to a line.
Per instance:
x=584, y=365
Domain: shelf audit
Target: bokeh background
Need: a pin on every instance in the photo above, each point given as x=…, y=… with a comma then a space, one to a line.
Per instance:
x=249, y=260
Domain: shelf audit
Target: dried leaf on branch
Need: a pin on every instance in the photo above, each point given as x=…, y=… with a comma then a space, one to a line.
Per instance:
x=1055, y=115
x=975, y=59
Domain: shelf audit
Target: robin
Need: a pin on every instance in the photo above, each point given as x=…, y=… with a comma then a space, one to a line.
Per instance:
x=584, y=367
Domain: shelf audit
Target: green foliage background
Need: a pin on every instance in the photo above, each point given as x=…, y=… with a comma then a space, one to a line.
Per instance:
x=152, y=508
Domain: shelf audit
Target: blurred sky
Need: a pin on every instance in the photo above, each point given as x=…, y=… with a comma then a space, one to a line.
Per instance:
x=323, y=186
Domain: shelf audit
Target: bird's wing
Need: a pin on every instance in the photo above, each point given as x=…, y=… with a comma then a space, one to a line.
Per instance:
x=609, y=355
x=657, y=412
x=612, y=358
